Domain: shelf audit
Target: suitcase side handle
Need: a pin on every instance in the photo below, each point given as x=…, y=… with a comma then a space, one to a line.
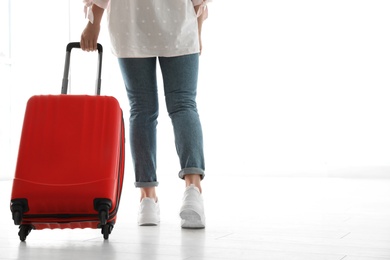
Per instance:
x=65, y=79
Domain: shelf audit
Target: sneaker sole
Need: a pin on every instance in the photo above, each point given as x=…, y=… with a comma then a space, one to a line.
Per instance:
x=148, y=222
x=191, y=220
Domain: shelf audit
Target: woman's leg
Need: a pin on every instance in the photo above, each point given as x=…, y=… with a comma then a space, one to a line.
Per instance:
x=139, y=75
x=180, y=75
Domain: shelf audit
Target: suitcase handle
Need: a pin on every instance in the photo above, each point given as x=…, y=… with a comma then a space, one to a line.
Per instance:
x=65, y=80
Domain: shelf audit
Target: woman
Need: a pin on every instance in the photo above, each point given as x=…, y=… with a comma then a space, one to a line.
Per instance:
x=142, y=31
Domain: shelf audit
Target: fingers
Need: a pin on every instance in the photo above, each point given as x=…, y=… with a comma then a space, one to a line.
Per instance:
x=82, y=44
x=88, y=41
x=88, y=45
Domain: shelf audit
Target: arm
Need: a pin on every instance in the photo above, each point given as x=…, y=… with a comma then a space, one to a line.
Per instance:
x=89, y=36
x=201, y=10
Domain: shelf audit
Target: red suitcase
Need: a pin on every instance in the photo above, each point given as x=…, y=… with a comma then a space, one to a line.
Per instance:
x=70, y=166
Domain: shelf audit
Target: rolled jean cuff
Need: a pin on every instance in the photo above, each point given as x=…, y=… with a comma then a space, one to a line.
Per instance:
x=191, y=170
x=146, y=184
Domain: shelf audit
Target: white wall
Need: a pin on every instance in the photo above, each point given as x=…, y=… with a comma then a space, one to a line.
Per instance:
x=286, y=88
x=299, y=87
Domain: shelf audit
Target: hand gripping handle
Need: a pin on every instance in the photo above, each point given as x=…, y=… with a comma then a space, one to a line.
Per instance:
x=65, y=80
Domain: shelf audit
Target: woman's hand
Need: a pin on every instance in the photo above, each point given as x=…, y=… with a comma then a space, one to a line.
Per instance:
x=89, y=37
x=201, y=18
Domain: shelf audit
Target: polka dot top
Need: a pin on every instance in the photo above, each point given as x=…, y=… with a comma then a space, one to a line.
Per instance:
x=150, y=28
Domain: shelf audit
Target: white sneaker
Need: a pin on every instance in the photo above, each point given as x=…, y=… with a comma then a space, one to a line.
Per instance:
x=192, y=210
x=149, y=212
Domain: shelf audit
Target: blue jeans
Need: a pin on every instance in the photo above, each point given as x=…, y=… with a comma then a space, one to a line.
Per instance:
x=180, y=76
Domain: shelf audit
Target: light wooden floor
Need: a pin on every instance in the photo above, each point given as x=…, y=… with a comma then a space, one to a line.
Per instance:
x=247, y=218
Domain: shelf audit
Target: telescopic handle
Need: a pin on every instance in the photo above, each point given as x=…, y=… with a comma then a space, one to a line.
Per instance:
x=65, y=80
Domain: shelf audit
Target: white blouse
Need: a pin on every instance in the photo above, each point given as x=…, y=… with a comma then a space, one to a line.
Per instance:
x=150, y=28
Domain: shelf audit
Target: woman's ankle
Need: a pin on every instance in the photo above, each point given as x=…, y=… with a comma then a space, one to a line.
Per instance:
x=194, y=179
x=148, y=192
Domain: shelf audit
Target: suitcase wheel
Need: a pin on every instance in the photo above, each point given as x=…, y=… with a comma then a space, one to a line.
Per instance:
x=103, y=217
x=18, y=207
x=24, y=230
x=106, y=230
x=103, y=206
x=17, y=217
